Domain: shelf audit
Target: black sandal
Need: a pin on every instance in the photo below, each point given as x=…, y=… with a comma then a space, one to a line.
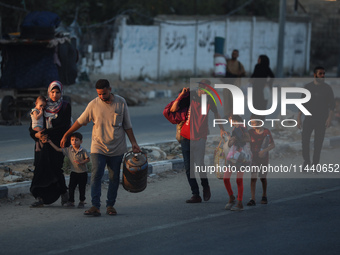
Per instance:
x=251, y=203
x=264, y=201
x=39, y=203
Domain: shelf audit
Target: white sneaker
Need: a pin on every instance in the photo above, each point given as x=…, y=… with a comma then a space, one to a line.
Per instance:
x=236, y=208
x=229, y=205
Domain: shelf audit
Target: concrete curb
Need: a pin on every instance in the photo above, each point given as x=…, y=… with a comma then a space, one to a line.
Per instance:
x=14, y=189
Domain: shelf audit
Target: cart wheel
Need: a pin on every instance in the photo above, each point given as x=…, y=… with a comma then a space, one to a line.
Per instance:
x=67, y=99
x=7, y=108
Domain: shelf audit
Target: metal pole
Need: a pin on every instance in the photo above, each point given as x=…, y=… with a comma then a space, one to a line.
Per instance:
x=195, y=48
x=280, y=51
x=296, y=4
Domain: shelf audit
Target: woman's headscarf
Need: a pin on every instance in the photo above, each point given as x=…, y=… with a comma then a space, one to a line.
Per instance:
x=52, y=108
x=264, y=60
x=262, y=70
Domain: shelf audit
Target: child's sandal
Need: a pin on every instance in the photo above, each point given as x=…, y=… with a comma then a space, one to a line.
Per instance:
x=251, y=203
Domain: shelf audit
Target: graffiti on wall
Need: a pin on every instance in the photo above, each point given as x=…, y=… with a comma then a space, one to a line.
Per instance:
x=206, y=39
x=174, y=42
x=190, y=47
x=135, y=42
x=141, y=45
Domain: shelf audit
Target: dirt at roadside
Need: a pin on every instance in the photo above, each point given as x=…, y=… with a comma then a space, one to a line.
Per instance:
x=16, y=172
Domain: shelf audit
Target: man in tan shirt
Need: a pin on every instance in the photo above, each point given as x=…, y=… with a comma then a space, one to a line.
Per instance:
x=110, y=116
x=235, y=71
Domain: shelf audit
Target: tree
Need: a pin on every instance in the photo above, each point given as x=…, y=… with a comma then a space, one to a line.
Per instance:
x=140, y=11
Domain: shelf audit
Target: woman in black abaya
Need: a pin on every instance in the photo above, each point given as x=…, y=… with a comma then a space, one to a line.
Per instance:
x=48, y=181
x=263, y=76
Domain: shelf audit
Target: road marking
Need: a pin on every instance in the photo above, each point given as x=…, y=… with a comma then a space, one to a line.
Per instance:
x=305, y=195
x=178, y=223
x=10, y=141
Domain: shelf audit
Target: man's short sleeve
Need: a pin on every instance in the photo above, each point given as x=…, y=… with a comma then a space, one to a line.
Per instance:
x=86, y=116
x=126, y=120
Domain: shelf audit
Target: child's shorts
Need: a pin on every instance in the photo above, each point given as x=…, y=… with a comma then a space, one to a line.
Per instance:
x=256, y=171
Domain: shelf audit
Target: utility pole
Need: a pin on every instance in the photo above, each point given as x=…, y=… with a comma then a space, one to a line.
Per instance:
x=296, y=4
x=280, y=51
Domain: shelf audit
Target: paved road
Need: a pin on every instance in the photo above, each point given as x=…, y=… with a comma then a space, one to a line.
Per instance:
x=302, y=217
x=149, y=126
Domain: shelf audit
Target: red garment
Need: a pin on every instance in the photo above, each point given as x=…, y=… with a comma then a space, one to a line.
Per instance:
x=180, y=115
x=256, y=143
x=196, y=125
x=239, y=181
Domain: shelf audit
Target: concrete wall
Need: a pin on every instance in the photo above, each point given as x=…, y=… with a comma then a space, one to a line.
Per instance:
x=186, y=47
x=239, y=33
x=139, y=54
x=177, y=50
